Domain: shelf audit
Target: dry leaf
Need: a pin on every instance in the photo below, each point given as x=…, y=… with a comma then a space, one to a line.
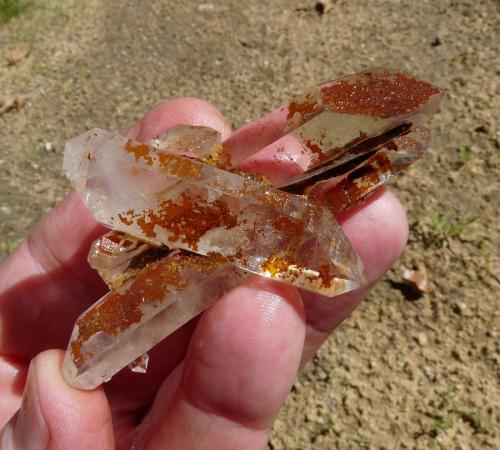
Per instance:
x=417, y=279
x=17, y=55
x=10, y=102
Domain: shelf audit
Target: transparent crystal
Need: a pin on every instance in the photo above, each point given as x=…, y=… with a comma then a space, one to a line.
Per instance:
x=131, y=319
x=189, y=140
x=140, y=365
x=343, y=188
x=337, y=121
x=167, y=199
x=185, y=231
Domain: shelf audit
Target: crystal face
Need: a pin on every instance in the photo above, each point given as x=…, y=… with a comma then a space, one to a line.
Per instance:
x=187, y=227
x=167, y=199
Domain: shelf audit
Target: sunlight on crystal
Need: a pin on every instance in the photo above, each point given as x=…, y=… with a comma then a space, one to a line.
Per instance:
x=187, y=226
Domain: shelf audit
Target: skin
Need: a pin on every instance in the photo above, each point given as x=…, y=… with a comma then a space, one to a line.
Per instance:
x=221, y=379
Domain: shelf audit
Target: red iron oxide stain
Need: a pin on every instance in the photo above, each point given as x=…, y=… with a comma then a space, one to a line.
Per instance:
x=120, y=310
x=287, y=265
x=140, y=151
x=180, y=166
x=378, y=94
x=303, y=108
x=315, y=149
x=187, y=220
x=358, y=183
x=124, y=219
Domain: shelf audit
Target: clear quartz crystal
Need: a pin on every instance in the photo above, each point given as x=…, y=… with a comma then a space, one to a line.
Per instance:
x=343, y=189
x=168, y=199
x=337, y=121
x=132, y=318
x=140, y=365
x=185, y=229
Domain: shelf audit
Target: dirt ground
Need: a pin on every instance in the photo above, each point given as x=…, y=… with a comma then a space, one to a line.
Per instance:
x=405, y=371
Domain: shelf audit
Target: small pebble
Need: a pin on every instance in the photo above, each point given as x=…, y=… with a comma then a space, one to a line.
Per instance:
x=459, y=307
x=206, y=7
x=423, y=380
x=322, y=375
x=5, y=210
x=492, y=333
x=422, y=339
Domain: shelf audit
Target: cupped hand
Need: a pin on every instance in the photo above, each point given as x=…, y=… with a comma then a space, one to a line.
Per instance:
x=219, y=381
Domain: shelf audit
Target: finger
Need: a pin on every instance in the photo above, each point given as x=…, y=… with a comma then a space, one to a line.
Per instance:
x=12, y=380
x=378, y=231
x=47, y=282
x=261, y=147
x=55, y=416
x=256, y=135
x=240, y=366
x=279, y=161
x=185, y=110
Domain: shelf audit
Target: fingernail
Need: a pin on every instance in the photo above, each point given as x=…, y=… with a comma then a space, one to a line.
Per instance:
x=28, y=428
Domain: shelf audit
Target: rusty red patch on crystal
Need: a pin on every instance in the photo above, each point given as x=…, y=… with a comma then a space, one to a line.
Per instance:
x=358, y=183
x=186, y=219
x=121, y=309
x=377, y=94
x=140, y=151
x=303, y=107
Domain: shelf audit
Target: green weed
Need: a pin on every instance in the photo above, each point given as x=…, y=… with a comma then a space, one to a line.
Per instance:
x=11, y=8
x=327, y=426
x=472, y=418
x=361, y=441
x=447, y=396
x=439, y=222
x=10, y=245
x=441, y=423
x=443, y=229
x=465, y=154
x=459, y=226
x=35, y=156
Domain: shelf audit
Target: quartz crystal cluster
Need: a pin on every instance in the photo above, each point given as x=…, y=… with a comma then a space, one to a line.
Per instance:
x=187, y=226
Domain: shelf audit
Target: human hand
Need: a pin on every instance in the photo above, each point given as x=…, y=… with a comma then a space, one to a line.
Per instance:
x=218, y=381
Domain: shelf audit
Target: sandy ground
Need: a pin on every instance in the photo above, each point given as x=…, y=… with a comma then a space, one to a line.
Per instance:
x=405, y=371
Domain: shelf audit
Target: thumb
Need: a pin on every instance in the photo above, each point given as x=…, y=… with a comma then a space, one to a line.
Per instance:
x=54, y=415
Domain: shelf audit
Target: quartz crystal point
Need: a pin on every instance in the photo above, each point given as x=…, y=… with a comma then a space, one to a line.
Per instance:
x=337, y=121
x=168, y=199
x=163, y=294
x=348, y=184
x=186, y=229
x=140, y=365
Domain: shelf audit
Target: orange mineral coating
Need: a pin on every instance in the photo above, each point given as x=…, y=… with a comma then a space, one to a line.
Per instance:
x=186, y=220
x=140, y=151
x=378, y=94
x=122, y=309
x=304, y=108
x=180, y=166
x=276, y=266
x=219, y=157
x=358, y=183
x=315, y=149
